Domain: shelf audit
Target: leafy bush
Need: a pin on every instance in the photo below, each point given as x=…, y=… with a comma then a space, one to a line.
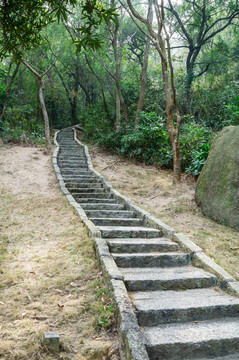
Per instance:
x=195, y=143
x=150, y=143
x=21, y=126
x=198, y=160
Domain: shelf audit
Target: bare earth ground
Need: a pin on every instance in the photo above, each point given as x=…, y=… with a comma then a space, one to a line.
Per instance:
x=49, y=278
x=152, y=189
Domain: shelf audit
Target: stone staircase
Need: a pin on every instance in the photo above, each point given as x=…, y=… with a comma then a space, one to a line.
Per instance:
x=180, y=310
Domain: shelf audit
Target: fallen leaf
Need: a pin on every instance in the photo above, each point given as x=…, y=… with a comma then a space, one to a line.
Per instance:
x=60, y=306
x=73, y=284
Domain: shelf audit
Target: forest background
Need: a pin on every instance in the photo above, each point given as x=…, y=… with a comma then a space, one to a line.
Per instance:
x=139, y=77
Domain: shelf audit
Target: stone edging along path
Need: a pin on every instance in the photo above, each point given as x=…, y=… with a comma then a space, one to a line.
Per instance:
x=125, y=250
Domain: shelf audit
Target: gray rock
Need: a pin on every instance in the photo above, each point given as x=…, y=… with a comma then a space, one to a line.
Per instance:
x=217, y=190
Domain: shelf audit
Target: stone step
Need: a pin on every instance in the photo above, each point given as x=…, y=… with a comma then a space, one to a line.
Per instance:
x=212, y=338
x=110, y=214
x=73, y=167
x=176, y=278
x=71, y=150
x=88, y=173
x=71, y=163
x=70, y=170
x=116, y=221
x=79, y=172
x=76, y=185
x=71, y=158
x=73, y=179
x=100, y=206
x=97, y=200
x=129, y=232
x=87, y=190
x=141, y=245
x=144, y=260
x=229, y=357
x=95, y=195
x=158, y=307
x=70, y=154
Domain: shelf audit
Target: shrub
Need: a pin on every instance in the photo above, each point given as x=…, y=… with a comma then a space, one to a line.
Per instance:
x=150, y=143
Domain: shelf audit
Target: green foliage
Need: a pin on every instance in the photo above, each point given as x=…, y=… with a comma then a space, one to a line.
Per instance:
x=198, y=158
x=22, y=22
x=195, y=142
x=150, y=143
x=20, y=126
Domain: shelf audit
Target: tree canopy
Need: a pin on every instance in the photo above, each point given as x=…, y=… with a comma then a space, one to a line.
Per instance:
x=153, y=81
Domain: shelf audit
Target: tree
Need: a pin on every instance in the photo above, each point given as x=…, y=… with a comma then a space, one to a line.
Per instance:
x=10, y=80
x=144, y=67
x=160, y=39
x=198, y=22
x=21, y=24
x=41, y=99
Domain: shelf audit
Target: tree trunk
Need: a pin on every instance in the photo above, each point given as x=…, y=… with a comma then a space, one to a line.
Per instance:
x=9, y=84
x=173, y=134
x=117, y=56
x=144, y=69
x=42, y=101
x=117, y=108
x=45, y=115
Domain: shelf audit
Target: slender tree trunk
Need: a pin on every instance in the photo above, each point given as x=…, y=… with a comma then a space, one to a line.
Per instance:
x=44, y=113
x=117, y=107
x=42, y=101
x=144, y=68
x=117, y=56
x=10, y=81
x=170, y=104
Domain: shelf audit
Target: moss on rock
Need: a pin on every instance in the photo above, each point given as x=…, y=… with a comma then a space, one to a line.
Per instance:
x=217, y=189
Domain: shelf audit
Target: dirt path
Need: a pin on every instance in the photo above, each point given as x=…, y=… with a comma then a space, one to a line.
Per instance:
x=49, y=278
x=152, y=189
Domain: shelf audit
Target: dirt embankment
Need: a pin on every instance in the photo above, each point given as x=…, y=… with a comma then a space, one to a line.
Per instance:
x=49, y=278
x=153, y=190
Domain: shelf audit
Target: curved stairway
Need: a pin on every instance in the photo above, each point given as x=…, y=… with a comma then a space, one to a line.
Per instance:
x=181, y=312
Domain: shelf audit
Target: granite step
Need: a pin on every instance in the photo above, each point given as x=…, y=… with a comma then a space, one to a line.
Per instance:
x=86, y=190
x=73, y=167
x=183, y=341
x=228, y=357
x=139, y=245
x=92, y=185
x=71, y=154
x=101, y=206
x=97, y=201
x=158, y=307
x=94, y=195
x=129, y=232
x=175, y=278
x=71, y=158
x=69, y=170
x=145, y=260
x=73, y=179
x=116, y=221
x=110, y=214
x=83, y=185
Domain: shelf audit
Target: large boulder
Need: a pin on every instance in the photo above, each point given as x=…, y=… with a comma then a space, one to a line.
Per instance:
x=217, y=189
